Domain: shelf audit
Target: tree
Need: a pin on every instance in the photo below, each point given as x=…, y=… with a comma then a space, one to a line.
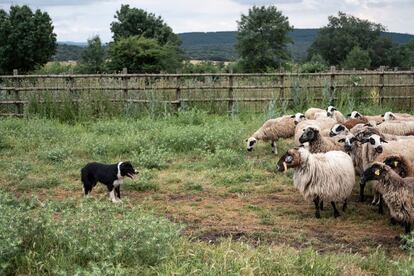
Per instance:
x=262, y=38
x=137, y=22
x=407, y=55
x=142, y=55
x=341, y=35
x=27, y=39
x=93, y=56
x=358, y=59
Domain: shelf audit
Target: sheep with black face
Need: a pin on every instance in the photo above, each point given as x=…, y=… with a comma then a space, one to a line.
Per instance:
x=397, y=192
x=320, y=177
x=273, y=129
x=317, y=142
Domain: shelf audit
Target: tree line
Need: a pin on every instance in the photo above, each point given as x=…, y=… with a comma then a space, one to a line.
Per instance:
x=143, y=43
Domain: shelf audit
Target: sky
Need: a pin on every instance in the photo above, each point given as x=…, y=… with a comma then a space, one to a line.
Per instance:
x=78, y=20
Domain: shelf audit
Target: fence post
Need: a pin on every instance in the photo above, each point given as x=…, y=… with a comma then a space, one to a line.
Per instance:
x=178, y=92
x=282, y=86
x=18, y=104
x=381, y=84
x=230, y=94
x=125, y=84
x=332, y=85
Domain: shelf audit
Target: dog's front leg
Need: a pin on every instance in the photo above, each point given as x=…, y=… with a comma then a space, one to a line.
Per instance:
x=112, y=194
x=118, y=191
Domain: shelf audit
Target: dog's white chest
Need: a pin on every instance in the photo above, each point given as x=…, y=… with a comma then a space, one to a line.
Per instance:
x=118, y=182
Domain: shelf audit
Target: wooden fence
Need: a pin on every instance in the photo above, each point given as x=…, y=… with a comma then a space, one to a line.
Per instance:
x=227, y=91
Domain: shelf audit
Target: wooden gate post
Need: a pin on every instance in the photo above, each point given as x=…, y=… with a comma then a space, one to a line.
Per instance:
x=282, y=86
x=381, y=84
x=178, y=92
x=332, y=85
x=18, y=103
x=125, y=84
x=231, y=94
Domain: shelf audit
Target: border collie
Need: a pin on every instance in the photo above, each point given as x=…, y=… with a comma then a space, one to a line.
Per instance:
x=110, y=175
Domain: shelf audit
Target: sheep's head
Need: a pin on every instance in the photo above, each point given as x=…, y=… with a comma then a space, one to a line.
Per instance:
x=290, y=159
x=298, y=117
x=364, y=134
x=397, y=163
x=349, y=142
x=376, y=171
x=389, y=116
x=330, y=111
x=376, y=142
x=309, y=134
x=337, y=129
x=354, y=115
x=251, y=142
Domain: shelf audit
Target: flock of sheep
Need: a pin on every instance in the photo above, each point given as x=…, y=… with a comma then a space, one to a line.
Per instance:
x=331, y=149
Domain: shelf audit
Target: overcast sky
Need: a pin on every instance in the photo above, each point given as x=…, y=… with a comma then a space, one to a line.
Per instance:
x=77, y=20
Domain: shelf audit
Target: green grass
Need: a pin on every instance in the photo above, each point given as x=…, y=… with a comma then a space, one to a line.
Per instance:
x=194, y=170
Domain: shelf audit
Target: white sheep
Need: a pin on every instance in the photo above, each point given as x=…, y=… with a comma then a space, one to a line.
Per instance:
x=273, y=129
x=390, y=116
x=368, y=118
x=332, y=112
x=320, y=177
x=396, y=127
x=312, y=112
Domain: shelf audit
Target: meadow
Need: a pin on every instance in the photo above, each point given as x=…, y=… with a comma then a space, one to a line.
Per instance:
x=201, y=205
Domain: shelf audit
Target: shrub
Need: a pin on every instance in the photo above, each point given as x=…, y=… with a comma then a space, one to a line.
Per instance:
x=152, y=158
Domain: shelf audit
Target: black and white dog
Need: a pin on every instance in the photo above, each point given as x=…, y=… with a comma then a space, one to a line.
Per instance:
x=110, y=175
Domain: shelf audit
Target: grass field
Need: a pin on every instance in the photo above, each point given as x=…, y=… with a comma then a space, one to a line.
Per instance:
x=201, y=205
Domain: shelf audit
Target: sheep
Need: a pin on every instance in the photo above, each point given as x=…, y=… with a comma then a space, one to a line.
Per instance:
x=400, y=164
x=357, y=115
x=310, y=113
x=338, y=129
x=320, y=177
x=317, y=142
x=350, y=123
x=324, y=125
x=389, y=116
x=401, y=128
x=397, y=192
x=332, y=112
x=273, y=129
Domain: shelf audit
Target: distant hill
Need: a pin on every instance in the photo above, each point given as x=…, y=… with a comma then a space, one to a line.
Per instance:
x=220, y=45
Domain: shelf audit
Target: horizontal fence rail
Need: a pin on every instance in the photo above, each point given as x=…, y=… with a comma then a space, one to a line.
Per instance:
x=228, y=91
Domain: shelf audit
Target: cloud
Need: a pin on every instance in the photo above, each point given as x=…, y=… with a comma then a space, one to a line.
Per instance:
x=266, y=2
x=51, y=3
x=78, y=20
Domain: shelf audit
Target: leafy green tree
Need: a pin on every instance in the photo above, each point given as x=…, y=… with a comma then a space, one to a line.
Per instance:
x=93, y=56
x=262, y=39
x=142, y=55
x=341, y=35
x=316, y=64
x=27, y=39
x=407, y=55
x=137, y=22
x=358, y=59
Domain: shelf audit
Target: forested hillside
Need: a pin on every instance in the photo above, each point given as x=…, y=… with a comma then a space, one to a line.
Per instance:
x=220, y=45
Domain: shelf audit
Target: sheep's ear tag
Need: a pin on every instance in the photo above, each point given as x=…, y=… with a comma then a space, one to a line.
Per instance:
x=377, y=172
x=395, y=163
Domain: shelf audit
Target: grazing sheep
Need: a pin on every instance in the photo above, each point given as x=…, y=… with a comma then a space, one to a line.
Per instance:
x=324, y=125
x=317, y=142
x=320, y=177
x=311, y=112
x=332, y=112
x=273, y=129
x=389, y=116
x=397, y=192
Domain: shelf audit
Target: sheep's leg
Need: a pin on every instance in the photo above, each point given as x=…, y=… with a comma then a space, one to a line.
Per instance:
x=336, y=213
x=317, y=213
x=380, y=205
x=321, y=205
x=407, y=227
x=345, y=205
x=274, y=147
x=361, y=191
